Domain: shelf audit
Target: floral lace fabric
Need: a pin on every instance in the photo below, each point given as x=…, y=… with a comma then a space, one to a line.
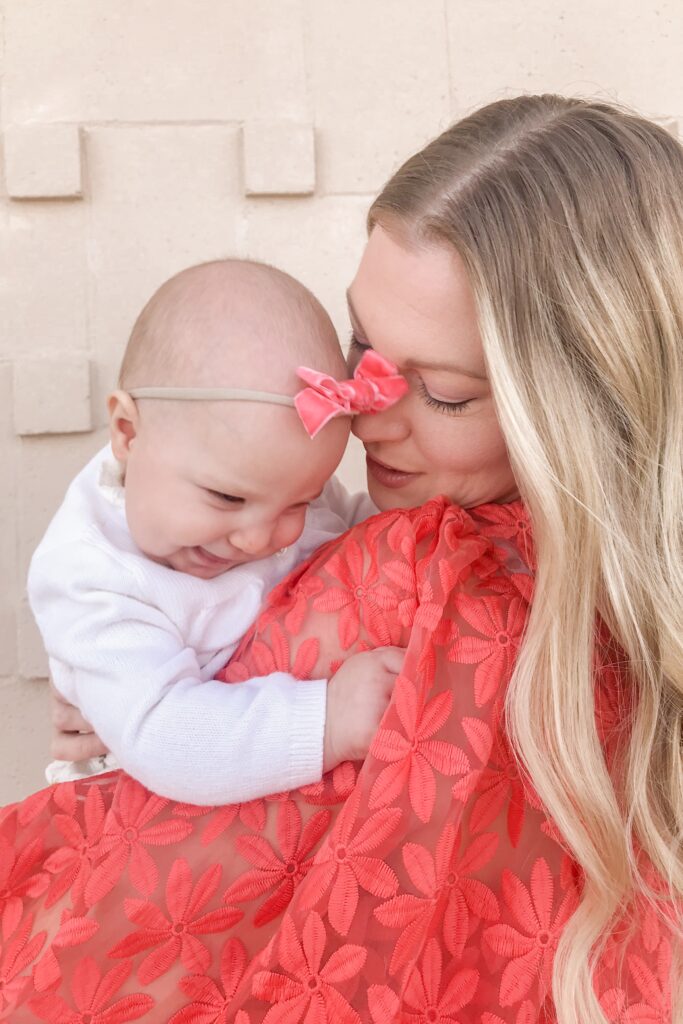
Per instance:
x=425, y=886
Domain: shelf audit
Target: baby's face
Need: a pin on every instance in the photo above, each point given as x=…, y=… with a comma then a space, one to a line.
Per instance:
x=217, y=484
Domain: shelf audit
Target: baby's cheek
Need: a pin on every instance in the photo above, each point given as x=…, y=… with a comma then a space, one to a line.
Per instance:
x=290, y=530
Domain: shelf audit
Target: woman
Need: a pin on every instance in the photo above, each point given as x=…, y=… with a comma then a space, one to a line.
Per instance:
x=511, y=849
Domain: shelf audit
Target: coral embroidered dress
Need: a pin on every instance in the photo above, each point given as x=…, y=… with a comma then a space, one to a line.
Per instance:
x=426, y=886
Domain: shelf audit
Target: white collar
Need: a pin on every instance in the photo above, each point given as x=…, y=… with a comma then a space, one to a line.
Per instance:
x=110, y=483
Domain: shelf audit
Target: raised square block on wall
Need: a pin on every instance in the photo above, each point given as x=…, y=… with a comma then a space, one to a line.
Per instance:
x=279, y=158
x=43, y=161
x=52, y=395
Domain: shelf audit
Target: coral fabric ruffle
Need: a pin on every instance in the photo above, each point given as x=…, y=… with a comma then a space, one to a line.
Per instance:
x=426, y=885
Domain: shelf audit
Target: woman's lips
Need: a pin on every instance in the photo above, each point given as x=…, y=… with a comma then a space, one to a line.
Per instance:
x=387, y=475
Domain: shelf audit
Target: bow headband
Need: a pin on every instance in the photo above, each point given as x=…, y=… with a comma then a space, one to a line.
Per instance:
x=376, y=385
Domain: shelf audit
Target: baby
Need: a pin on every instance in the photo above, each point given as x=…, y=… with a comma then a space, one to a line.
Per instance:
x=168, y=541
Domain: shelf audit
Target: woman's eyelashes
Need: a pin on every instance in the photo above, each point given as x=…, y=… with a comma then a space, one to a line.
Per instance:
x=356, y=343
x=449, y=408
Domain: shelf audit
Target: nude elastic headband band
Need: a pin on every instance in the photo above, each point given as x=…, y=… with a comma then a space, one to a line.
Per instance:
x=376, y=385
x=212, y=394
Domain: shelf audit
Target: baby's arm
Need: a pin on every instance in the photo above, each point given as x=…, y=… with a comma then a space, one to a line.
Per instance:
x=124, y=664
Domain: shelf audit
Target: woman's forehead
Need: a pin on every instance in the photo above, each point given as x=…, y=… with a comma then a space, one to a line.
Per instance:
x=415, y=304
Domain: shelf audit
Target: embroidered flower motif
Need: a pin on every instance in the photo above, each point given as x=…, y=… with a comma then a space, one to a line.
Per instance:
x=281, y=873
x=512, y=523
x=500, y=622
x=128, y=830
x=498, y=784
x=654, y=1006
x=175, y=936
x=356, y=598
x=252, y=814
x=72, y=863
x=73, y=931
x=306, y=589
x=530, y=952
x=427, y=1000
x=343, y=865
x=210, y=1001
x=334, y=787
x=414, y=914
x=526, y=1014
x=400, y=538
x=92, y=996
x=19, y=878
x=415, y=756
x=276, y=657
x=308, y=988
x=399, y=596
x=468, y=900
x=15, y=956
x=383, y=1004
x=614, y=1004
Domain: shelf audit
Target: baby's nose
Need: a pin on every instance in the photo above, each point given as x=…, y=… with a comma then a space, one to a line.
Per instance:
x=253, y=540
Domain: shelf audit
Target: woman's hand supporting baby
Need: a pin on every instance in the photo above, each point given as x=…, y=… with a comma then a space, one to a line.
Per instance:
x=357, y=697
x=73, y=739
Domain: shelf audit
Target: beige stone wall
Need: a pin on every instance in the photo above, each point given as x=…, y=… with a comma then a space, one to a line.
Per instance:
x=140, y=136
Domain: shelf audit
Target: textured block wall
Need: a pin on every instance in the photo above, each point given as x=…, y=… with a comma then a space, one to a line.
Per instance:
x=140, y=136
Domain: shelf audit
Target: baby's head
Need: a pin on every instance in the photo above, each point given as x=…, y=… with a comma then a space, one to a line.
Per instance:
x=212, y=484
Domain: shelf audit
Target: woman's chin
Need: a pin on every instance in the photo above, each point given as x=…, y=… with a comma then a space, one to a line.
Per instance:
x=386, y=498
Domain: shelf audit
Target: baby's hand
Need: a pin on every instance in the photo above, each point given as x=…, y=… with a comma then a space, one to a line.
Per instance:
x=358, y=694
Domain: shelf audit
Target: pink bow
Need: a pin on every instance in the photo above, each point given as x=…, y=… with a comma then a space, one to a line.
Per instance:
x=376, y=385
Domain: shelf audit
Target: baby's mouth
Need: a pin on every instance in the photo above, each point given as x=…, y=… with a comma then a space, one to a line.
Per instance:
x=211, y=561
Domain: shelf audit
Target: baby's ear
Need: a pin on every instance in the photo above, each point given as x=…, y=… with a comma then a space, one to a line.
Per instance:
x=123, y=423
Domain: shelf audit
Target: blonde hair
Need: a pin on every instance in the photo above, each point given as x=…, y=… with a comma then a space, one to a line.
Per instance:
x=568, y=215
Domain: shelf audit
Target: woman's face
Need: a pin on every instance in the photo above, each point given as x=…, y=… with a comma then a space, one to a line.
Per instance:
x=415, y=306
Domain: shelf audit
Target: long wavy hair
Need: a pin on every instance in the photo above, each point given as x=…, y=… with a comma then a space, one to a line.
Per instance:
x=568, y=215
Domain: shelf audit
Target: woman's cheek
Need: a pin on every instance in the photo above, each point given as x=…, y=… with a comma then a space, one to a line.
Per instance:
x=451, y=447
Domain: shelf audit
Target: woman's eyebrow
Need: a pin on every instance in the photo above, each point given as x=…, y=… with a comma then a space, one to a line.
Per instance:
x=416, y=364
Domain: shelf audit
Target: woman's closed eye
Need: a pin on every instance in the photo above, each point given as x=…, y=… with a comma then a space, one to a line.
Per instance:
x=448, y=408
x=357, y=343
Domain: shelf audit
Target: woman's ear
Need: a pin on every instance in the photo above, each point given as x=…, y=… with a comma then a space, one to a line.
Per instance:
x=123, y=423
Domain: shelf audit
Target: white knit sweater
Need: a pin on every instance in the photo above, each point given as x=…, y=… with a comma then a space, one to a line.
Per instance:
x=135, y=646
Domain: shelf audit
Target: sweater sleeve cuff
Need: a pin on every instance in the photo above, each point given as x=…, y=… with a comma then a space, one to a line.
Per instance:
x=307, y=733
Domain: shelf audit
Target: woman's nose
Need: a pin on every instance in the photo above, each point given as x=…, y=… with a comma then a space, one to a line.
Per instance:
x=375, y=427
